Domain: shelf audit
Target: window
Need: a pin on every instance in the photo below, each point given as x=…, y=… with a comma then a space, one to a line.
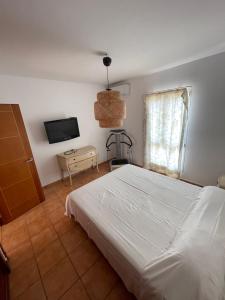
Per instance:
x=165, y=122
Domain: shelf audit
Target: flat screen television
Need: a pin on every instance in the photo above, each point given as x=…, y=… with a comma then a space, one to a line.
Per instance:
x=62, y=130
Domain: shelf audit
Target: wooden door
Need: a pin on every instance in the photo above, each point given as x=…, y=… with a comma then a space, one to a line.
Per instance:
x=20, y=187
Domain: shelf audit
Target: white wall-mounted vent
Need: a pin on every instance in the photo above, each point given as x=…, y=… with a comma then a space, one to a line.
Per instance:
x=123, y=88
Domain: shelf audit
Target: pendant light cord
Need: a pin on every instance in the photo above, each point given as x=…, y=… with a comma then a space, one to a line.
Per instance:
x=107, y=62
x=107, y=70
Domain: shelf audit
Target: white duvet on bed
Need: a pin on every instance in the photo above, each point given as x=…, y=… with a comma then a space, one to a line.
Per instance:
x=135, y=217
x=194, y=266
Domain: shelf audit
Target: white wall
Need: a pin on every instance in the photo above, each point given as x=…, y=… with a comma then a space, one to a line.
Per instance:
x=41, y=100
x=205, y=152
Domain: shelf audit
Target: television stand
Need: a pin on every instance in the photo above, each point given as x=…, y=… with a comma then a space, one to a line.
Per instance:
x=77, y=160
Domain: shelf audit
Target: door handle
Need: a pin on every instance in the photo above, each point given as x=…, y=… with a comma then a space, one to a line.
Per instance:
x=29, y=160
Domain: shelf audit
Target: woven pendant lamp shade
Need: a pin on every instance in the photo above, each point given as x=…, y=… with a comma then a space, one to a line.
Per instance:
x=109, y=109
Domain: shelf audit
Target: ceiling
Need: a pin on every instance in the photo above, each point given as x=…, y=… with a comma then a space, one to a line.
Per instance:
x=60, y=39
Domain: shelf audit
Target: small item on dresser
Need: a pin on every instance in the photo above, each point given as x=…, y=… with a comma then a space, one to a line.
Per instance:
x=221, y=182
x=70, y=152
x=74, y=161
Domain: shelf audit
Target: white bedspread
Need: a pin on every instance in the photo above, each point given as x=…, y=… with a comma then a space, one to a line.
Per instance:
x=194, y=266
x=135, y=217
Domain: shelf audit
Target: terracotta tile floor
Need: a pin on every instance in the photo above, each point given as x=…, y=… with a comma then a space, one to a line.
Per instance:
x=51, y=256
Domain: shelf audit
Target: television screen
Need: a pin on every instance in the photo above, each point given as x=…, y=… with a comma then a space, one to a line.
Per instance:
x=61, y=130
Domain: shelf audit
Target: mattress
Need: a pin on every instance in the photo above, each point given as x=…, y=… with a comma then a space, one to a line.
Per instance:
x=134, y=216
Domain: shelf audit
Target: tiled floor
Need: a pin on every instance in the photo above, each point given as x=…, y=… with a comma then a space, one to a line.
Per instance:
x=51, y=256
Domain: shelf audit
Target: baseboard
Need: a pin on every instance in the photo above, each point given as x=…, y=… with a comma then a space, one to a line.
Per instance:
x=67, y=177
x=193, y=183
x=107, y=161
x=181, y=179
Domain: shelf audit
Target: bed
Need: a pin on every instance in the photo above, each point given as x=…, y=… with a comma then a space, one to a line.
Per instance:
x=155, y=232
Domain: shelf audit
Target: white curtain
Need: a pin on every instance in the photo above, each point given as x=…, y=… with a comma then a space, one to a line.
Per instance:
x=165, y=120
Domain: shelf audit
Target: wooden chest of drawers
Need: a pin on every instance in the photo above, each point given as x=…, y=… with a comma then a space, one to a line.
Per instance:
x=77, y=160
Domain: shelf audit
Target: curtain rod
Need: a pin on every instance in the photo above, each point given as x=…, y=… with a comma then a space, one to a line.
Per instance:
x=169, y=90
